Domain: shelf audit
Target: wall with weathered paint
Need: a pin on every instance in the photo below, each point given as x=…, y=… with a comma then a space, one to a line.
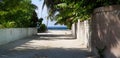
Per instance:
x=73, y=30
x=105, y=30
x=12, y=34
x=83, y=33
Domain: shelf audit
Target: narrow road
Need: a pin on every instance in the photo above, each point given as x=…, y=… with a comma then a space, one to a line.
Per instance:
x=45, y=45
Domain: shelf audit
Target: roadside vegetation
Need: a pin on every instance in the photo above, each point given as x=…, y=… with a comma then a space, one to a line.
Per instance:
x=17, y=13
x=41, y=27
x=70, y=11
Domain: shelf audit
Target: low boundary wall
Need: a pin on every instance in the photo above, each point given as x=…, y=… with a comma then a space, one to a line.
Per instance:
x=12, y=34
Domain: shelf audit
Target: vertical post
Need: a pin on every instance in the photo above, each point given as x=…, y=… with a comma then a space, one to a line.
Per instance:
x=87, y=32
x=83, y=33
x=78, y=29
x=73, y=29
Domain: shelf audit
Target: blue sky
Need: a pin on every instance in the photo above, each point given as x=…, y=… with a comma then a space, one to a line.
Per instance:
x=43, y=13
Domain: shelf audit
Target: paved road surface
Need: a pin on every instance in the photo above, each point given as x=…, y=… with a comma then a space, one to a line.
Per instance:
x=45, y=45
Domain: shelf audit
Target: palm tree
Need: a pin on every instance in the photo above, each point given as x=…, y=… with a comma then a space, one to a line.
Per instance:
x=50, y=6
x=52, y=10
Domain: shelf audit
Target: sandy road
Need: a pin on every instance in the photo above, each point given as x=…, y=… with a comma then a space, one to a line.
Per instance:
x=59, y=44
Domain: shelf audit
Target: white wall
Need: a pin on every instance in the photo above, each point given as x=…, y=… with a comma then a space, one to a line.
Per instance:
x=83, y=33
x=12, y=34
x=73, y=29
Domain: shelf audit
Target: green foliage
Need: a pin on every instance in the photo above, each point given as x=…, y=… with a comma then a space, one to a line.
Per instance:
x=16, y=13
x=71, y=11
x=1, y=26
x=40, y=20
x=43, y=28
x=34, y=19
x=9, y=24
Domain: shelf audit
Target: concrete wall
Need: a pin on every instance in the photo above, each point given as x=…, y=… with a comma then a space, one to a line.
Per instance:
x=73, y=30
x=83, y=33
x=105, y=27
x=12, y=34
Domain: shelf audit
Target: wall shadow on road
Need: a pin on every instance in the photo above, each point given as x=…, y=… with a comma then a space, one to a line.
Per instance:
x=5, y=47
x=11, y=45
x=55, y=37
x=47, y=53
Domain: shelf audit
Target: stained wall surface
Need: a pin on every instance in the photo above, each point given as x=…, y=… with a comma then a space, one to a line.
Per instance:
x=12, y=34
x=105, y=30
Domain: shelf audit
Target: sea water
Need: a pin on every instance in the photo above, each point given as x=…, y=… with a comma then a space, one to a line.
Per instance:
x=57, y=28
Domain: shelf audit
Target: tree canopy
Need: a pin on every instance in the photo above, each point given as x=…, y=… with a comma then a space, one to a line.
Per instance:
x=16, y=13
x=72, y=10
